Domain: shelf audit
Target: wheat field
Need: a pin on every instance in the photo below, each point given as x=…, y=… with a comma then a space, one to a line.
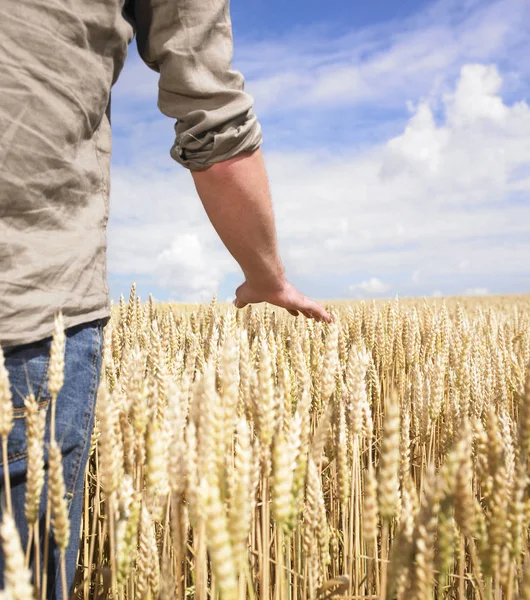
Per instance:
x=248, y=454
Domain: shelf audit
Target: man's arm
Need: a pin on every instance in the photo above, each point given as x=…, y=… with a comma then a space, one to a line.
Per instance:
x=235, y=194
x=218, y=137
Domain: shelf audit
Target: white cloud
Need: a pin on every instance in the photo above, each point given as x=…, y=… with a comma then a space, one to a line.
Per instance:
x=158, y=229
x=424, y=200
x=454, y=198
x=445, y=194
x=186, y=264
x=420, y=147
x=451, y=153
x=389, y=63
x=371, y=286
x=437, y=294
x=476, y=292
x=476, y=97
x=382, y=63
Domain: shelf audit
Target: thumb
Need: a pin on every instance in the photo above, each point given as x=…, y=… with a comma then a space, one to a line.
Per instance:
x=238, y=302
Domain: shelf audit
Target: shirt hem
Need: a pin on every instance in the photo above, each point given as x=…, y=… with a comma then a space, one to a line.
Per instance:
x=47, y=332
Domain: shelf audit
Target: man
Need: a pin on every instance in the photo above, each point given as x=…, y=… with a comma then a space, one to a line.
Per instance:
x=58, y=62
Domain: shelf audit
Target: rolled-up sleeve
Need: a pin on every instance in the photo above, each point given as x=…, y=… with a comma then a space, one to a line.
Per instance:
x=190, y=43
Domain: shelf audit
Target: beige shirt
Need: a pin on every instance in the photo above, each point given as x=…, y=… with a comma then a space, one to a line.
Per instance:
x=58, y=62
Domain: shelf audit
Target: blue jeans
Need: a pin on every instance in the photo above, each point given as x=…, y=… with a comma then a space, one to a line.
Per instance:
x=27, y=366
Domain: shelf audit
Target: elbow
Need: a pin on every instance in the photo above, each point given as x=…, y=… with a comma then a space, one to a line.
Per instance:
x=198, y=148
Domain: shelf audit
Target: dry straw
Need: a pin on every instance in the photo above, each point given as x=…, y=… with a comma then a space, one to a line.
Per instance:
x=250, y=454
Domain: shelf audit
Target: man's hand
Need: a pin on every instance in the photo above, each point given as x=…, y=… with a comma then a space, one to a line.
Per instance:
x=283, y=295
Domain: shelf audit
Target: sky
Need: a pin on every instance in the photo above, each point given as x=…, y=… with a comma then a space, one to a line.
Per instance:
x=397, y=143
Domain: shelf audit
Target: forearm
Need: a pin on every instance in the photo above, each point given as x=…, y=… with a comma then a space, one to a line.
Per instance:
x=235, y=194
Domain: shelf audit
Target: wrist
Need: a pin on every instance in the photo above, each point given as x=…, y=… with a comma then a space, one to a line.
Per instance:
x=271, y=279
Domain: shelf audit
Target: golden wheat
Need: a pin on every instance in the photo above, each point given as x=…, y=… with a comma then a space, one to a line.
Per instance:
x=250, y=454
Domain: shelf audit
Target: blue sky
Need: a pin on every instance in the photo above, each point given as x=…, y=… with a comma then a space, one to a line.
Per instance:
x=396, y=137
x=262, y=19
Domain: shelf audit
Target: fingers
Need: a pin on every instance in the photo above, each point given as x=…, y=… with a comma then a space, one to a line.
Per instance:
x=239, y=304
x=317, y=312
x=306, y=313
x=311, y=315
